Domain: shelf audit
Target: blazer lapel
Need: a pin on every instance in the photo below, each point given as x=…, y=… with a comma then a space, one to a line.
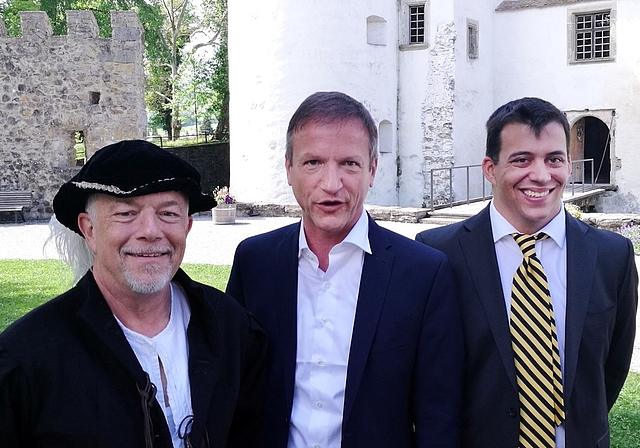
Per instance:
x=582, y=254
x=286, y=292
x=376, y=272
x=480, y=255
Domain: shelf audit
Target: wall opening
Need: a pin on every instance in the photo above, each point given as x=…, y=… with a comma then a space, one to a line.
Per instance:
x=376, y=30
x=94, y=97
x=385, y=137
x=591, y=139
x=79, y=150
x=473, y=44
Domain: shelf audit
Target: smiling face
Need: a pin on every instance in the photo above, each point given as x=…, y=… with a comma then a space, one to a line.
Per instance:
x=330, y=173
x=530, y=176
x=138, y=242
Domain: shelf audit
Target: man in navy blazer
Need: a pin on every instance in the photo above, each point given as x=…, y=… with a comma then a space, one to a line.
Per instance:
x=592, y=277
x=363, y=324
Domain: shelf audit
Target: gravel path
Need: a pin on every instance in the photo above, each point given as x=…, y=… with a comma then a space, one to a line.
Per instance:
x=207, y=243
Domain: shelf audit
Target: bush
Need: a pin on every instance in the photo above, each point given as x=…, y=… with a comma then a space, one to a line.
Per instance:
x=631, y=231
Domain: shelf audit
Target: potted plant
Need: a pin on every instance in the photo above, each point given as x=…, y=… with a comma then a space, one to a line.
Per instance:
x=225, y=211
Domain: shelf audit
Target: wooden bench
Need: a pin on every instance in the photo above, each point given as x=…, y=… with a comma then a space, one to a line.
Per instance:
x=14, y=201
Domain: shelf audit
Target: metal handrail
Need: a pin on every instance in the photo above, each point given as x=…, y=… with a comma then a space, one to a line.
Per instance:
x=581, y=162
x=485, y=196
x=467, y=174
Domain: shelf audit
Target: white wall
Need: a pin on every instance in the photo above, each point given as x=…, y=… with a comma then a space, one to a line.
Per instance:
x=531, y=59
x=474, y=100
x=280, y=52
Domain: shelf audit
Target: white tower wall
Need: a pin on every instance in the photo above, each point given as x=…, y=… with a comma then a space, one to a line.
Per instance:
x=280, y=52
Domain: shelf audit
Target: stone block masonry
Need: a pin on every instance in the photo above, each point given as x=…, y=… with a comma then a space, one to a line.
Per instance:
x=54, y=88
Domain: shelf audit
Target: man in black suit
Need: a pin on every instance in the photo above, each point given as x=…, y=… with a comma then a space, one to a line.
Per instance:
x=591, y=276
x=363, y=324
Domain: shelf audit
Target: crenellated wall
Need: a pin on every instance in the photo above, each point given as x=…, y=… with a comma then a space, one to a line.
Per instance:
x=52, y=87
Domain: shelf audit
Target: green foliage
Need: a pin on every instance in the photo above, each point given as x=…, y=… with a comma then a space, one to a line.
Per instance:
x=631, y=231
x=573, y=210
x=149, y=14
x=25, y=284
x=624, y=418
x=220, y=84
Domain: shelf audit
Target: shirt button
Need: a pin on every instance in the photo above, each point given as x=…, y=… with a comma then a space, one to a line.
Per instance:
x=325, y=320
x=512, y=412
x=321, y=363
x=327, y=285
x=319, y=405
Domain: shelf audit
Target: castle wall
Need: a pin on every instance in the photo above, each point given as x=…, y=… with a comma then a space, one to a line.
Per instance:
x=54, y=86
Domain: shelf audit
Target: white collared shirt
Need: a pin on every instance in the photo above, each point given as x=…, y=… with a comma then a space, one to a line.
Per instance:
x=552, y=253
x=326, y=313
x=170, y=347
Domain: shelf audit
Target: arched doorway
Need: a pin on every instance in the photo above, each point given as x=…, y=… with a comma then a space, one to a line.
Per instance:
x=590, y=139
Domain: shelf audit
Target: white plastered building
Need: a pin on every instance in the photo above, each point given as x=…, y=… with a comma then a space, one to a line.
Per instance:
x=431, y=72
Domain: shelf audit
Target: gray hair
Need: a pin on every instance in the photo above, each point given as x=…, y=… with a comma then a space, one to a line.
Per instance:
x=72, y=249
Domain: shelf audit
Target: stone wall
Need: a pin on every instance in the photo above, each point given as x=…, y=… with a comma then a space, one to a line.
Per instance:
x=437, y=115
x=54, y=86
x=211, y=160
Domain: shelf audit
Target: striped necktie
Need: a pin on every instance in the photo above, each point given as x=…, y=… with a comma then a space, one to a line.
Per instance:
x=535, y=349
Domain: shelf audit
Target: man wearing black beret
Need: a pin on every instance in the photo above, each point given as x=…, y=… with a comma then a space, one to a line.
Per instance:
x=136, y=354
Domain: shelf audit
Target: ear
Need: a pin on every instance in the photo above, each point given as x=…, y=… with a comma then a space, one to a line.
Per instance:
x=86, y=227
x=287, y=166
x=488, y=169
x=374, y=169
x=190, y=224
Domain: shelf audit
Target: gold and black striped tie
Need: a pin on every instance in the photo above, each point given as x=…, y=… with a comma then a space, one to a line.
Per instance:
x=535, y=349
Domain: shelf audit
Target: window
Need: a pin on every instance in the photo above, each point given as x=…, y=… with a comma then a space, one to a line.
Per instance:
x=416, y=24
x=593, y=36
x=413, y=25
x=472, y=39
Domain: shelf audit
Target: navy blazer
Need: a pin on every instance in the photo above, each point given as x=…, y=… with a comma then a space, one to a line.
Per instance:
x=602, y=298
x=404, y=378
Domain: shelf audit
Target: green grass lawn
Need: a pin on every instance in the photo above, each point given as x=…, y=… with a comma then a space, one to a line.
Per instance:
x=25, y=284
x=624, y=417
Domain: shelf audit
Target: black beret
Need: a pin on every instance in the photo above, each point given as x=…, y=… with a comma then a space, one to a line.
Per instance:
x=126, y=169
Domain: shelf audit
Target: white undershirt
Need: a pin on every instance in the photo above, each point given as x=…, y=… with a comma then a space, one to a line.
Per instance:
x=552, y=253
x=326, y=313
x=169, y=347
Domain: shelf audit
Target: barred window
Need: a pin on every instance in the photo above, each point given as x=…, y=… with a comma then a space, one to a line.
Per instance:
x=593, y=36
x=416, y=24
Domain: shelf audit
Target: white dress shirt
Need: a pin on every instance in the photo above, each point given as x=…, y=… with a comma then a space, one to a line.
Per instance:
x=169, y=347
x=326, y=313
x=552, y=253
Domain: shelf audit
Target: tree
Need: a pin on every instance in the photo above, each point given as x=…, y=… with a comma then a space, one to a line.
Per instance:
x=216, y=18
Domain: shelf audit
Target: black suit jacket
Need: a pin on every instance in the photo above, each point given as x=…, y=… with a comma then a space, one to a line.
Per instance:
x=405, y=362
x=602, y=297
x=69, y=378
